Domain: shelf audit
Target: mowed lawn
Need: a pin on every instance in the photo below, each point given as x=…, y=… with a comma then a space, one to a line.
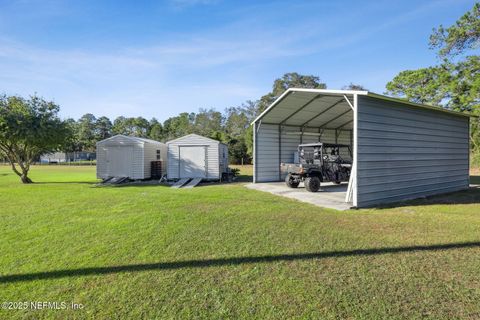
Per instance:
x=224, y=251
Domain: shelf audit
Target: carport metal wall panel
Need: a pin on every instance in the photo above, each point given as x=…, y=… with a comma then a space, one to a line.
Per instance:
x=267, y=142
x=267, y=153
x=405, y=152
x=290, y=142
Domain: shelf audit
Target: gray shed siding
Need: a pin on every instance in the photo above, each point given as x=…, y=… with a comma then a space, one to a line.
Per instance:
x=214, y=167
x=405, y=152
x=267, y=151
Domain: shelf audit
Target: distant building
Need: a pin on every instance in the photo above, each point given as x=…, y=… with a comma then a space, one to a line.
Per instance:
x=58, y=157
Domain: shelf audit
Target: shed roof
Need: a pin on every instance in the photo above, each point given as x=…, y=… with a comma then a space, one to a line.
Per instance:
x=193, y=135
x=324, y=108
x=133, y=139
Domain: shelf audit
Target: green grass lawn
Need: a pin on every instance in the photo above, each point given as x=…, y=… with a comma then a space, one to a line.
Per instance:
x=224, y=251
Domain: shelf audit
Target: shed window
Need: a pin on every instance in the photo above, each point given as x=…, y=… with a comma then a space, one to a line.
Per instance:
x=158, y=154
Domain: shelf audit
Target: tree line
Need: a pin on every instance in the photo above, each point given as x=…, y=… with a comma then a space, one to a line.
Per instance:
x=230, y=126
x=31, y=127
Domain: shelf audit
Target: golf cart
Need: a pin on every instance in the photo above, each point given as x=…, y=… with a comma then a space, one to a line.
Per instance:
x=319, y=162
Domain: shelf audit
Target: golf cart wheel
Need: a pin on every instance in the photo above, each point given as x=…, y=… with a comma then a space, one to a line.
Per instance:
x=290, y=182
x=312, y=184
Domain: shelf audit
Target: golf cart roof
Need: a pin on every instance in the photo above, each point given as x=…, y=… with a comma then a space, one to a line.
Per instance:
x=326, y=145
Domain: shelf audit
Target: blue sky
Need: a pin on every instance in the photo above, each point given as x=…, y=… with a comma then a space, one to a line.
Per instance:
x=157, y=59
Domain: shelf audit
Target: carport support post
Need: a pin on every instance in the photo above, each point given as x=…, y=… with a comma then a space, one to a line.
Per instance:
x=352, y=191
x=279, y=152
x=255, y=126
x=355, y=150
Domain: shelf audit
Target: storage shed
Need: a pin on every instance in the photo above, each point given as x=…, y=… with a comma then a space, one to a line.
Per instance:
x=401, y=150
x=194, y=156
x=123, y=156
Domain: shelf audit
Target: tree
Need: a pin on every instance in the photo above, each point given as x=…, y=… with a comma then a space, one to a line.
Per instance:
x=86, y=132
x=464, y=86
x=178, y=126
x=119, y=125
x=236, y=122
x=103, y=128
x=289, y=80
x=208, y=123
x=72, y=144
x=155, y=131
x=353, y=86
x=236, y=125
x=464, y=35
x=137, y=127
x=249, y=141
x=426, y=85
x=29, y=128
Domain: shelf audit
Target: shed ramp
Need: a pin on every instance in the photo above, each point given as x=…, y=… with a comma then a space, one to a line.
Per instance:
x=180, y=183
x=193, y=183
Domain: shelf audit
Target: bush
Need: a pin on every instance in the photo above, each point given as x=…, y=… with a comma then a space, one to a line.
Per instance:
x=235, y=171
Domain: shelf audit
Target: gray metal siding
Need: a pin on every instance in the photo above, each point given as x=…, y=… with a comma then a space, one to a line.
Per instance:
x=267, y=150
x=406, y=152
x=290, y=142
x=213, y=161
x=267, y=153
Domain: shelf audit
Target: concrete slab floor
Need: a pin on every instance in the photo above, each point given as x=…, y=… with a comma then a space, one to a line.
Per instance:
x=330, y=195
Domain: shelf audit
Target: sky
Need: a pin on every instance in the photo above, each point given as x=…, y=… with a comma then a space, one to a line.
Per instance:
x=161, y=58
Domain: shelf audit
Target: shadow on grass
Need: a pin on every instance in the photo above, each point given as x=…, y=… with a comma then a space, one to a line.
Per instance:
x=227, y=262
x=239, y=179
x=64, y=182
x=244, y=178
x=475, y=180
x=469, y=196
x=134, y=184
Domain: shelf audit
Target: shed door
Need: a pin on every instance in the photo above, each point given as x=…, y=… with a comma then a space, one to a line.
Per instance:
x=193, y=161
x=120, y=161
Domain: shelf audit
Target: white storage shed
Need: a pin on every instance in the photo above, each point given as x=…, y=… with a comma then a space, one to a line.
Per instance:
x=194, y=156
x=123, y=156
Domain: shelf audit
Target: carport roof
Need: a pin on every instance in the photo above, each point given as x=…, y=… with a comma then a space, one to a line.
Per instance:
x=322, y=108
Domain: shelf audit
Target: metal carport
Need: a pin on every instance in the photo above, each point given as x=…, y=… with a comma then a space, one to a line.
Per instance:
x=401, y=150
